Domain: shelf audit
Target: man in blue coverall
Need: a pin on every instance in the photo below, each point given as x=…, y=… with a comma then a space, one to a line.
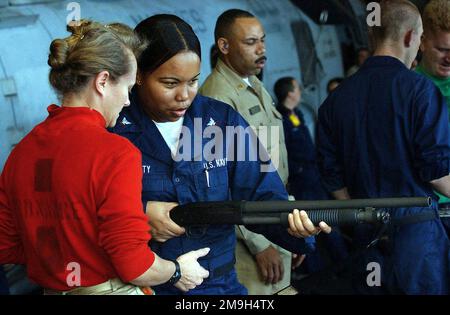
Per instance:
x=384, y=133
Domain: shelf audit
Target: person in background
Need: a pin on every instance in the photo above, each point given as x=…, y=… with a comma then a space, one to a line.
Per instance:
x=304, y=178
x=262, y=267
x=70, y=206
x=333, y=84
x=384, y=133
x=435, y=46
x=361, y=56
x=435, y=61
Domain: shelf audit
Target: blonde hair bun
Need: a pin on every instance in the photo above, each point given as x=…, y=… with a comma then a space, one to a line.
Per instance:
x=91, y=48
x=58, y=53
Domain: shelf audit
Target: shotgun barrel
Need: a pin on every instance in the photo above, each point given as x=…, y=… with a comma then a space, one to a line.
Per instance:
x=333, y=212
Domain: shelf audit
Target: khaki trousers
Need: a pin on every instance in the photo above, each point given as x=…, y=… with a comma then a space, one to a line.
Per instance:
x=110, y=287
x=248, y=272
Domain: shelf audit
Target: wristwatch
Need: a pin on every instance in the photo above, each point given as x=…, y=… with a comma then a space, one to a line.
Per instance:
x=176, y=275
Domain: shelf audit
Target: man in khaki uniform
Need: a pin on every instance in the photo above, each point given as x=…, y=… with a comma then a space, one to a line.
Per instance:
x=239, y=37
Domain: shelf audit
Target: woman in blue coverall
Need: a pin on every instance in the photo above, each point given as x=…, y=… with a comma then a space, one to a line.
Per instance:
x=190, y=153
x=304, y=176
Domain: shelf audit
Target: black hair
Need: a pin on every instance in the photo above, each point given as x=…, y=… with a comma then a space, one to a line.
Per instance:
x=282, y=88
x=226, y=20
x=166, y=35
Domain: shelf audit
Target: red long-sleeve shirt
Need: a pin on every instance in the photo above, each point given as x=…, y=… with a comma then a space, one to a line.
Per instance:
x=70, y=193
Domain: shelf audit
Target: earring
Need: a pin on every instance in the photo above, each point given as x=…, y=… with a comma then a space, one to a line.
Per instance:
x=138, y=82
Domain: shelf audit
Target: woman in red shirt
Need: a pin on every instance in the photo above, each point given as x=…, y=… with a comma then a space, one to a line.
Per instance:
x=70, y=192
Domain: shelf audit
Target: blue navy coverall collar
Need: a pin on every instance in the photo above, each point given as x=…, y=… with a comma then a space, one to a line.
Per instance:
x=382, y=61
x=151, y=141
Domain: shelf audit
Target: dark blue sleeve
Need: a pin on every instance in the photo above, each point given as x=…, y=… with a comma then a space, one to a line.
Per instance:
x=431, y=136
x=253, y=179
x=4, y=290
x=330, y=169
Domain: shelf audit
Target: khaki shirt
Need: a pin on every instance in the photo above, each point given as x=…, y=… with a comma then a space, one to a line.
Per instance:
x=256, y=106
